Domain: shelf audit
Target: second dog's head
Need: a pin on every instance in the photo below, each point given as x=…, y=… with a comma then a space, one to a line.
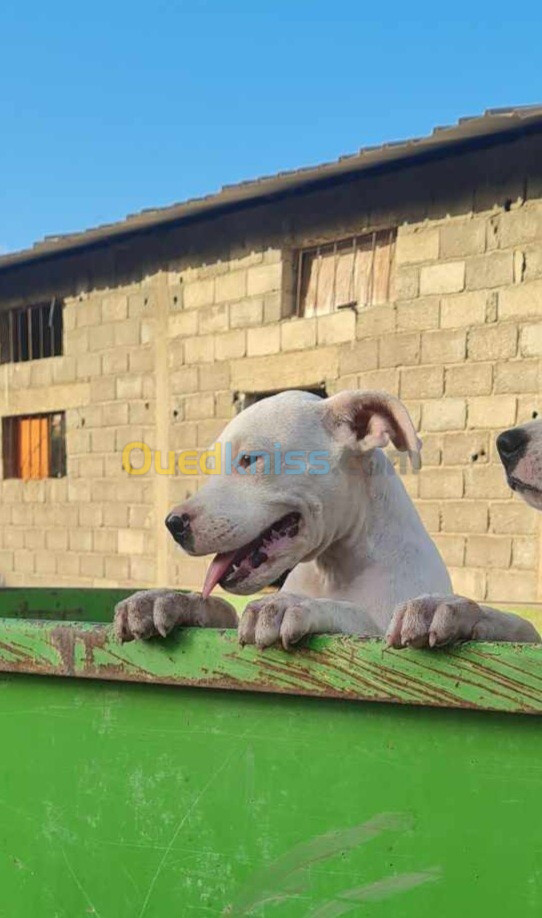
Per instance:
x=289, y=483
x=520, y=450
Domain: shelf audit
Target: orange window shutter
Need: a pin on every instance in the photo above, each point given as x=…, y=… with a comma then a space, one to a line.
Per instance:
x=45, y=449
x=24, y=448
x=34, y=448
x=39, y=457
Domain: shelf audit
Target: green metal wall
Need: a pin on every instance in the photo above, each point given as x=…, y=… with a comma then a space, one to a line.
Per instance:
x=126, y=800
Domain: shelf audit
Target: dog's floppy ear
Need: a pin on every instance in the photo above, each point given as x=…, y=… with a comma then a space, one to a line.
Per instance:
x=365, y=420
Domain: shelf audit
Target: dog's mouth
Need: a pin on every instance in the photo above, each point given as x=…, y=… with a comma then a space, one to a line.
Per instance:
x=517, y=485
x=230, y=568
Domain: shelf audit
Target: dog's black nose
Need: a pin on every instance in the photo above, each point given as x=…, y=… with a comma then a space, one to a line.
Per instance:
x=512, y=444
x=179, y=527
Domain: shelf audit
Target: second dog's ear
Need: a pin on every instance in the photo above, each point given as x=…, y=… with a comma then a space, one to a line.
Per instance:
x=366, y=420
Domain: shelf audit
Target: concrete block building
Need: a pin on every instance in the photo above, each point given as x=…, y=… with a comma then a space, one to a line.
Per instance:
x=413, y=267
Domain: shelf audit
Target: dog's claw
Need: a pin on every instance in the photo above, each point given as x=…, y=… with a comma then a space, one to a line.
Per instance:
x=282, y=617
x=151, y=613
x=433, y=621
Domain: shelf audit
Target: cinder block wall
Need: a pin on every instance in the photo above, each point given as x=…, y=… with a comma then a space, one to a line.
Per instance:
x=95, y=526
x=162, y=331
x=468, y=344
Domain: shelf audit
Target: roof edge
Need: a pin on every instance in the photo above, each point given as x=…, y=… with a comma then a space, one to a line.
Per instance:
x=492, y=127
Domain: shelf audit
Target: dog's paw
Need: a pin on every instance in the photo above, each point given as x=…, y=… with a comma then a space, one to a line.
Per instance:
x=280, y=617
x=156, y=612
x=434, y=621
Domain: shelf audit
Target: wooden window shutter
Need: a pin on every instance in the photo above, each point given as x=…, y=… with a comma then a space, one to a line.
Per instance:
x=33, y=444
x=355, y=272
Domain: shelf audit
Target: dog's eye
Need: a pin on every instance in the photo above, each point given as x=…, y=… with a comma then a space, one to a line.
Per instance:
x=247, y=459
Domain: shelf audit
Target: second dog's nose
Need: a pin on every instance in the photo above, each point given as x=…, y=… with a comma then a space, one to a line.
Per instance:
x=179, y=526
x=511, y=444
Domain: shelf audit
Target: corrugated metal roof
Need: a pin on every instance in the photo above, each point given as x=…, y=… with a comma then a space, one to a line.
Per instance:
x=493, y=122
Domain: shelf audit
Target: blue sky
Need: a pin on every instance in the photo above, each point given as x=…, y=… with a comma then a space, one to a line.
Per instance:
x=107, y=108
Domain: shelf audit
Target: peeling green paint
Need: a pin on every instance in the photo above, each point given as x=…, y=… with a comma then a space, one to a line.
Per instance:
x=500, y=677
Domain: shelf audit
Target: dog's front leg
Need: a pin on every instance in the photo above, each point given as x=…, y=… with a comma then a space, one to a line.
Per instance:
x=287, y=617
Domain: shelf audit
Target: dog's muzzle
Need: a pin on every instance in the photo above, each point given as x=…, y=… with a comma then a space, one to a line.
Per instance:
x=512, y=445
x=179, y=527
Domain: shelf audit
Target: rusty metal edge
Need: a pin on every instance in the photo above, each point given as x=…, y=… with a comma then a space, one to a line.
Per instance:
x=489, y=677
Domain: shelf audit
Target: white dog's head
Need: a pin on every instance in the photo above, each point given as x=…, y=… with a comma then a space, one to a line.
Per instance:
x=520, y=450
x=287, y=486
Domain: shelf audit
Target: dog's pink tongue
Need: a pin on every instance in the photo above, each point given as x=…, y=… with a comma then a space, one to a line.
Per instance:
x=216, y=570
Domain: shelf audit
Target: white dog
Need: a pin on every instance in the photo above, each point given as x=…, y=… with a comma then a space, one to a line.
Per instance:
x=520, y=450
x=343, y=525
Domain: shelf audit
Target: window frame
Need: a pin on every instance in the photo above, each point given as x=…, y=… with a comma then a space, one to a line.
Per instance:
x=335, y=244
x=13, y=461
x=25, y=335
x=242, y=400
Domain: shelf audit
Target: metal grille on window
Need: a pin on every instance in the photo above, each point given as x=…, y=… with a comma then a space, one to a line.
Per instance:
x=31, y=332
x=34, y=446
x=353, y=272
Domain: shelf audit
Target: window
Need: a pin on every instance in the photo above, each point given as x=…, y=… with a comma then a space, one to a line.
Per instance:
x=31, y=332
x=243, y=400
x=353, y=272
x=34, y=446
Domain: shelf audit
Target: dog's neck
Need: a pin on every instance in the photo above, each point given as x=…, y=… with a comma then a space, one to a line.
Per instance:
x=377, y=522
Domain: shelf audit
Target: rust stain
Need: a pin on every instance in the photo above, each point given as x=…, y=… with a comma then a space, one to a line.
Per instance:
x=431, y=694
x=64, y=641
x=465, y=667
x=392, y=680
x=506, y=664
x=92, y=640
x=340, y=670
x=15, y=651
